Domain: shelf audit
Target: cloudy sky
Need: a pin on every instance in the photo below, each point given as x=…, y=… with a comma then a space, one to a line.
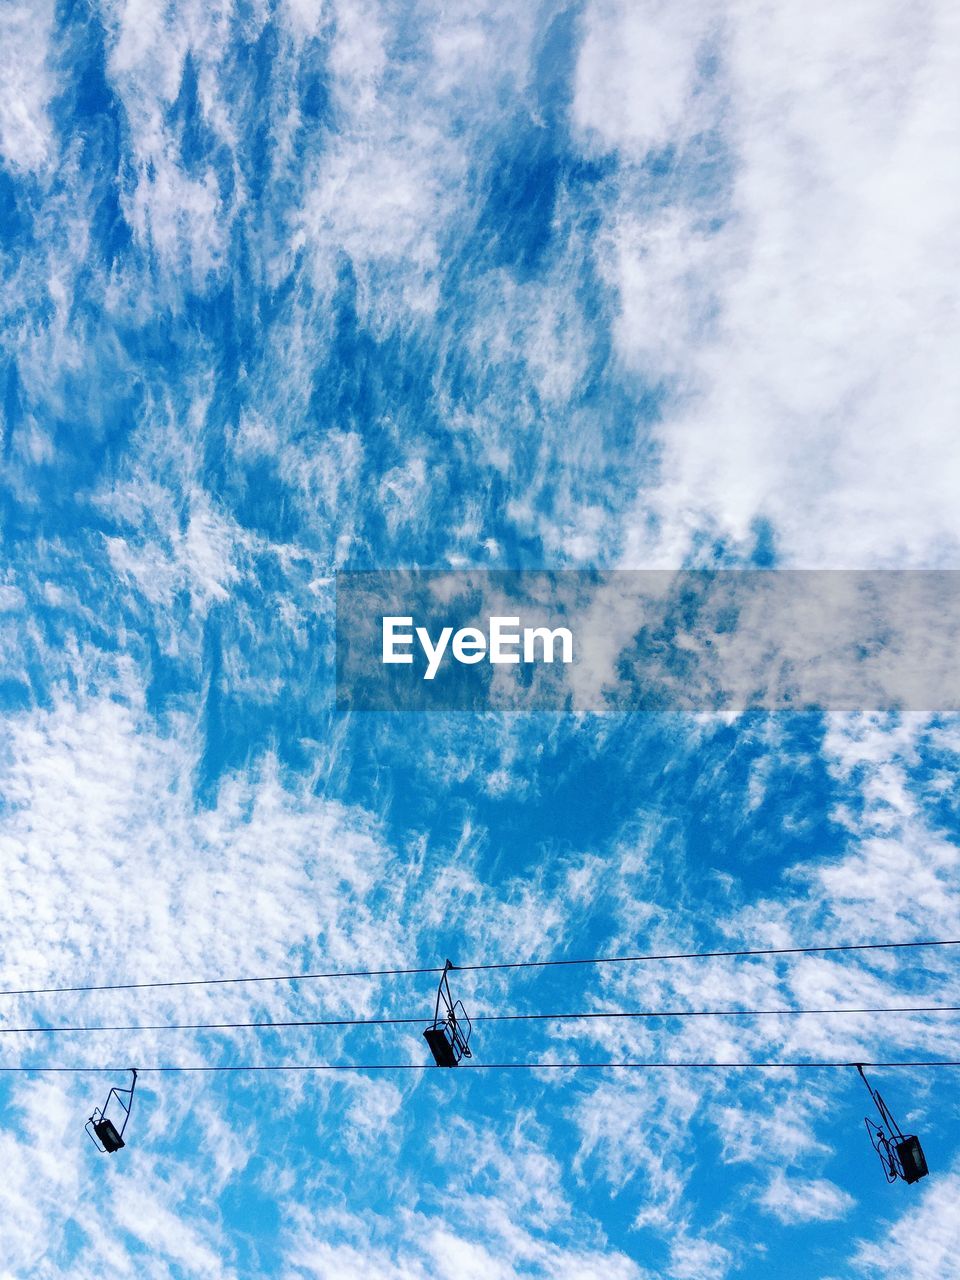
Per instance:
x=296, y=287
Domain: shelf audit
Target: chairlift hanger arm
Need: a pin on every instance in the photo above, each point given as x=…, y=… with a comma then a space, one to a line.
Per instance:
x=129, y=1103
x=885, y=1114
x=101, y=1130
x=444, y=994
x=446, y=1037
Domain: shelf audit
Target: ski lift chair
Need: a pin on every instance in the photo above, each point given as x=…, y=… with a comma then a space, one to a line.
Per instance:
x=449, y=1034
x=900, y=1154
x=101, y=1129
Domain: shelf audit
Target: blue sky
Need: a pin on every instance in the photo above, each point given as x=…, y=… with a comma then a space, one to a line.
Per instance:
x=293, y=288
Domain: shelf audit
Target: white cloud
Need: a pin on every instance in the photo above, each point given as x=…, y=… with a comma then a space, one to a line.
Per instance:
x=403, y=494
x=305, y=16
x=26, y=85
x=794, y=1199
x=99, y=811
x=696, y=1258
x=636, y=73
x=429, y=1247
x=924, y=1243
x=179, y=216
x=202, y=557
x=811, y=330
x=661, y=269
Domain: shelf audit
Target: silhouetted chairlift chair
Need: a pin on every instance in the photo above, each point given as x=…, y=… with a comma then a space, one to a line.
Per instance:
x=449, y=1034
x=101, y=1130
x=900, y=1154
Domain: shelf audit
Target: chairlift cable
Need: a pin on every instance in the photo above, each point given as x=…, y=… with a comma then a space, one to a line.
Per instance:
x=178, y=1068
x=503, y=964
x=286, y=1024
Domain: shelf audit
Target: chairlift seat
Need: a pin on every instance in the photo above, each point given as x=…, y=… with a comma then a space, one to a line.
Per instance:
x=441, y=1046
x=106, y=1131
x=100, y=1129
x=449, y=1034
x=912, y=1160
